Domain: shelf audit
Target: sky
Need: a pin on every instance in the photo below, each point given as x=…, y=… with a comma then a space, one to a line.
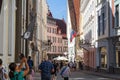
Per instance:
x=58, y=8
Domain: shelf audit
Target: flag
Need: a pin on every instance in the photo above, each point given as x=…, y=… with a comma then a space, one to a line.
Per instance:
x=72, y=35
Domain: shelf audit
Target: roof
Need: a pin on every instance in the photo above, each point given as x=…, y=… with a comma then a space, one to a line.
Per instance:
x=49, y=13
x=62, y=25
x=59, y=22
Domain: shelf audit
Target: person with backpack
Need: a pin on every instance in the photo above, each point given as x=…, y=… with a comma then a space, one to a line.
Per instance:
x=3, y=72
x=65, y=71
x=54, y=74
x=16, y=72
x=30, y=64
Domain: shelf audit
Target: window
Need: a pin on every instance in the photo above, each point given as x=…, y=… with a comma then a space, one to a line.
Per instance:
x=47, y=29
x=50, y=30
x=103, y=20
x=58, y=49
x=50, y=38
x=98, y=25
x=58, y=40
x=0, y=5
x=55, y=31
x=98, y=1
x=55, y=39
x=55, y=48
x=117, y=15
x=118, y=59
x=103, y=23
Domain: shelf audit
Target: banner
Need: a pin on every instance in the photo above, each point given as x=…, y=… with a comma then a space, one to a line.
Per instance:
x=29, y=32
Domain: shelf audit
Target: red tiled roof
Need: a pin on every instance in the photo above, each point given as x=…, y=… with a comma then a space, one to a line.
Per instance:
x=62, y=25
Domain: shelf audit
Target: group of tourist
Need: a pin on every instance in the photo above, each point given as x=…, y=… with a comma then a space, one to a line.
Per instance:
x=48, y=69
x=17, y=72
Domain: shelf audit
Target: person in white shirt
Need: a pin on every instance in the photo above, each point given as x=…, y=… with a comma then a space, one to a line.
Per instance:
x=65, y=71
x=3, y=72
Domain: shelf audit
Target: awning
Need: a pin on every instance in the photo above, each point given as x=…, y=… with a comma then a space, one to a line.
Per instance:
x=60, y=58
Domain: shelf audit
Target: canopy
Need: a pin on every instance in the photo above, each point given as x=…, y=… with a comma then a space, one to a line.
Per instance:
x=60, y=58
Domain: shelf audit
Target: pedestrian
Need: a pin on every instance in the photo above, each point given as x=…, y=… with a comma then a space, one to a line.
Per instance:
x=81, y=65
x=65, y=71
x=3, y=72
x=61, y=64
x=46, y=68
x=54, y=74
x=16, y=72
x=71, y=65
x=31, y=71
x=74, y=66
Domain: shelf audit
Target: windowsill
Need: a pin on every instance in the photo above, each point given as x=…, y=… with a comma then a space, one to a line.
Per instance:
x=9, y=54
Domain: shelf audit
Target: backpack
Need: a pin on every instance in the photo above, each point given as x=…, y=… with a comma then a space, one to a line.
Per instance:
x=30, y=63
x=1, y=74
x=61, y=73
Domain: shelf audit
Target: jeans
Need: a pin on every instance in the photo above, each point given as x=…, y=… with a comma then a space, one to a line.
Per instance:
x=45, y=77
x=66, y=78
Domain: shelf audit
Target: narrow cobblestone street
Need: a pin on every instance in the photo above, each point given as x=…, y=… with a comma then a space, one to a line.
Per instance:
x=78, y=75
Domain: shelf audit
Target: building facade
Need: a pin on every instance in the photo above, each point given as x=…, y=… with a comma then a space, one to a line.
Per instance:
x=71, y=45
x=40, y=9
x=89, y=37
x=56, y=33
x=116, y=34
x=105, y=51
x=7, y=29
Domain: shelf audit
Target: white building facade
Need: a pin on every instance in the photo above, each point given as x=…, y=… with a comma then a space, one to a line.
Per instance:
x=106, y=35
x=7, y=31
x=117, y=32
x=89, y=29
x=41, y=30
x=71, y=45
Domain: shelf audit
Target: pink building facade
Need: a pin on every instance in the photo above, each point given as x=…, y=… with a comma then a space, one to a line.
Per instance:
x=57, y=37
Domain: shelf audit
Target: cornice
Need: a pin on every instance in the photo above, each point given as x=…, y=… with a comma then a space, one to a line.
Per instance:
x=84, y=4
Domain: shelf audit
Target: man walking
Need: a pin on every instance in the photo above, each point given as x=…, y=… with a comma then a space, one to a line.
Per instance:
x=46, y=68
x=30, y=64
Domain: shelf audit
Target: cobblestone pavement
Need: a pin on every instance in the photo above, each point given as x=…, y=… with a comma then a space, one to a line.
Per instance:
x=77, y=75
